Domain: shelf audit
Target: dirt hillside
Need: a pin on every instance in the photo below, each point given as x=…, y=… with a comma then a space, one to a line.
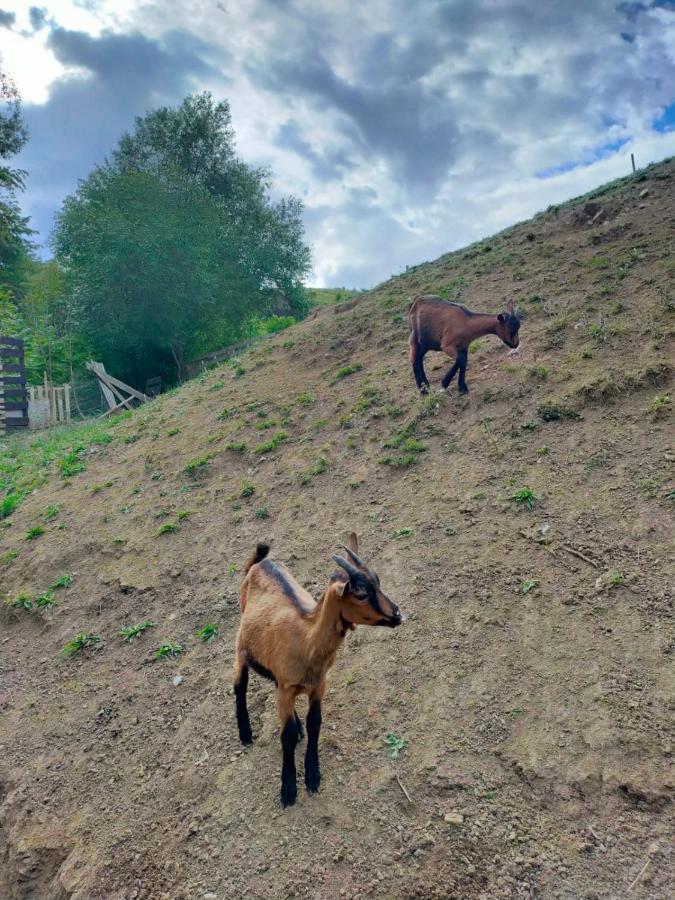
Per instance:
x=533, y=681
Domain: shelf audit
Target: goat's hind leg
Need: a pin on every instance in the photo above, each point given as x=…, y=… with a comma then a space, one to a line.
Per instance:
x=289, y=740
x=240, y=688
x=416, y=355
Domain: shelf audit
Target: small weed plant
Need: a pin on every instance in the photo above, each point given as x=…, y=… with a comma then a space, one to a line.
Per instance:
x=130, y=632
x=82, y=641
x=169, y=650
x=395, y=744
x=208, y=632
x=345, y=372
x=525, y=496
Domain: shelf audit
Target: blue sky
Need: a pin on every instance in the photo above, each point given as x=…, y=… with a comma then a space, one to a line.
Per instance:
x=407, y=129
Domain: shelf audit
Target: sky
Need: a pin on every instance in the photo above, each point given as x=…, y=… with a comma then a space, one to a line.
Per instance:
x=408, y=129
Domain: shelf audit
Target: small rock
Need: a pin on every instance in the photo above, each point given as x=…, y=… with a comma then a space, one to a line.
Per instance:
x=453, y=818
x=178, y=679
x=644, y=193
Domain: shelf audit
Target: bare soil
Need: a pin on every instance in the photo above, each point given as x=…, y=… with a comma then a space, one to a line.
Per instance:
x=538, y=717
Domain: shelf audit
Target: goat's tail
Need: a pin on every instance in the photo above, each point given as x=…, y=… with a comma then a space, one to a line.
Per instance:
x=261, y=552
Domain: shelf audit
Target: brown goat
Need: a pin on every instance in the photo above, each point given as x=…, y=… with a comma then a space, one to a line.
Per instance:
x=287, y=636
x=437, y=324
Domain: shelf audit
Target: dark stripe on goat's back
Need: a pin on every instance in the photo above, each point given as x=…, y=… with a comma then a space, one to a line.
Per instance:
x=273, y=570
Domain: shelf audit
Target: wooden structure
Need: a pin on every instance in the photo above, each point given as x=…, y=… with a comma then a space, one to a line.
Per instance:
x=13, y=393
x=49, y=405
x=118, y=395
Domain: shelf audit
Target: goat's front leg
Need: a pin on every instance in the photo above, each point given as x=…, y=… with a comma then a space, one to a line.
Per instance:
x=240, y=688
x=289, y=740
x=462, y=359
x=312, y=770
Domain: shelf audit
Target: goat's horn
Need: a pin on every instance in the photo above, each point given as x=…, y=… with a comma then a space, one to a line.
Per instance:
x=352, y=555
x=348, y=567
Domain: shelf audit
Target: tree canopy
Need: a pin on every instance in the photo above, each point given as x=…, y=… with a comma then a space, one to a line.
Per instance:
x=14, y=229
x=174, y=243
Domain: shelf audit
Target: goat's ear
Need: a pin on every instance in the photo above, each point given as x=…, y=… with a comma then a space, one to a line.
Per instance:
x=341, y=587
x=501, y=317
x=353, y=542
x=509, y=306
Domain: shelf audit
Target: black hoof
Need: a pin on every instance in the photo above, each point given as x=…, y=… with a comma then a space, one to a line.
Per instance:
x=246, y=736
x=464, y=390
x=424, y=389
x=312, y=782
x=289, y=793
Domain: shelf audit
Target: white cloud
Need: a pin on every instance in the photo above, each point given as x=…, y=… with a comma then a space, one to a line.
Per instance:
x=407, y=130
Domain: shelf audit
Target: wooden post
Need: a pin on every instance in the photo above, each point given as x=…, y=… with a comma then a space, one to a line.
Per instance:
x=3, y=427
x=66, y=392
x=632, y=162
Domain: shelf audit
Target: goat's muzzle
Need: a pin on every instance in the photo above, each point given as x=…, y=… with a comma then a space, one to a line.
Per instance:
x=393, y=621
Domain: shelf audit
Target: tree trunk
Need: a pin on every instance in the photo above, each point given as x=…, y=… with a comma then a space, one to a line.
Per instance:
x=177, y=353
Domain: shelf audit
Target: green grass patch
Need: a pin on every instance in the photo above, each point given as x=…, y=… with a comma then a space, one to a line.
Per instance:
x=525, y=496
x=395, y=744
x=63, y=581
x=195, y=465
x=46, y=600
x=345, y=372
x=34, y=532
x=208, y=632
x=271, y=445
x=82, y=641
x=168, y=650
x=166, y=528
x=658, y=404
x=130, y=632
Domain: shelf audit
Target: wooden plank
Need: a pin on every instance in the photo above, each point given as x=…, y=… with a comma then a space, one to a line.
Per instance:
x=18, y=380
x=8, y=353
x=97, y=369
x=16, y=421
x=10, y=405
x=14, y=368
x=11, y=342
x=125, y=387
x=66, y=392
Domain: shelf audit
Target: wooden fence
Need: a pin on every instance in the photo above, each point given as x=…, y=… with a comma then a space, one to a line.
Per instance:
x=13, y=393
x=49, y=405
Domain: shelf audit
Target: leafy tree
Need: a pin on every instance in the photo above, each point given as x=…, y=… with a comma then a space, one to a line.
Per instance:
x=14, y=229
x=54, y=345
x=174, y=244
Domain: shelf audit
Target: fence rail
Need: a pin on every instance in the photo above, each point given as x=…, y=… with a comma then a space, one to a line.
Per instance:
x=13, y=393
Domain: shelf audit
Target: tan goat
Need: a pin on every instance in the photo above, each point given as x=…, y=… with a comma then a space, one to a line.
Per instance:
x=287, y=636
